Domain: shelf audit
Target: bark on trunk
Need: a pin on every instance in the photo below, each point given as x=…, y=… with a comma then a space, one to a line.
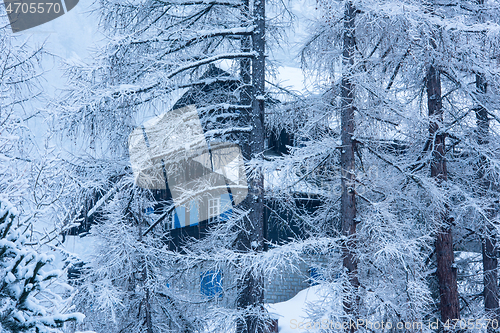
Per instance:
x=251, y=286
x=446, y=272
x=348, y=198
x=489, y=249
x=147, y=304
x=490, y=265
x=489, y=246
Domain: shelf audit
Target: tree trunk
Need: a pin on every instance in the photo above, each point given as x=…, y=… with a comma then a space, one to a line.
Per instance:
x=490, y=278
x=446, y=272
x=251, y=285
x=489, y=249
x=147, y=303
x=348, y=199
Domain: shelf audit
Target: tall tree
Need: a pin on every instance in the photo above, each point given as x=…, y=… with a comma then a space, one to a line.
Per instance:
x=446, y=272
x=374, y=130
x=347, y=163
x=32, y=297
x=251, y=284
x=489, y=243
x=158, y=49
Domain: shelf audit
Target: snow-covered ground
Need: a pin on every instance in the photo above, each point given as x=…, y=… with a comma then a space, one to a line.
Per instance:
x=293, y=316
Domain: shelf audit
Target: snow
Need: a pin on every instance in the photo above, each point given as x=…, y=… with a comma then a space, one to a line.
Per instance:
x=9, y=278
x=279, y=180
x=6, y=206
x=238, y=30
x=294, y=311
x=124, y=88
x=80, y=247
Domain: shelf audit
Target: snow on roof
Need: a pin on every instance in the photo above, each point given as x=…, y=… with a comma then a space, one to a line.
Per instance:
x=279, y=180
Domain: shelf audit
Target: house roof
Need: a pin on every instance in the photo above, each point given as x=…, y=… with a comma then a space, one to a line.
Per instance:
x=213, y=86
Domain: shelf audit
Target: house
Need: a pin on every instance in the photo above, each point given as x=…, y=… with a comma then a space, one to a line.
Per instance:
x=197, y=182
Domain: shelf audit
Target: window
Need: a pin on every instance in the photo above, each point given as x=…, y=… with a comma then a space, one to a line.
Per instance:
x=211, y=284
x=213, y=207
x=149, y=210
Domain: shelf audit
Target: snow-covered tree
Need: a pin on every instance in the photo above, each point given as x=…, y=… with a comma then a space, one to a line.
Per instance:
x=29, y=299
x=156, y=49
x=32, y=297
x=18, y=87
x=31, y=176
x=402, y=52
x=395, y=130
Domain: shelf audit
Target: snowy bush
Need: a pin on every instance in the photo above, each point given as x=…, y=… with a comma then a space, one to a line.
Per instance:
x=28, y=301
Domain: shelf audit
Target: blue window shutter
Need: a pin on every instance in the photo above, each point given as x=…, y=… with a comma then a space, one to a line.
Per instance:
x=179, y=217
x=193, y=213
x=181, y=211
x=226, y=206
x=177, y=223
x=211, y=283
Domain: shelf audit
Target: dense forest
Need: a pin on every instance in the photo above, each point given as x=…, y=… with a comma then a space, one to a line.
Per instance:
x=169, y=182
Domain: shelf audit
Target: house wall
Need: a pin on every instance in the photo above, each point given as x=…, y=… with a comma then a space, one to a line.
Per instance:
x=286, y=284
x=282, y=286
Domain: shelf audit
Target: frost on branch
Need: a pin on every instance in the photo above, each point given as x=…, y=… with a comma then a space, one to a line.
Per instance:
x=27, y=303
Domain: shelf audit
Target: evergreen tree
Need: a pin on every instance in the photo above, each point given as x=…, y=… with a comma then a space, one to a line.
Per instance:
x=29, y=302
x=155, y=50
x=423, y=189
